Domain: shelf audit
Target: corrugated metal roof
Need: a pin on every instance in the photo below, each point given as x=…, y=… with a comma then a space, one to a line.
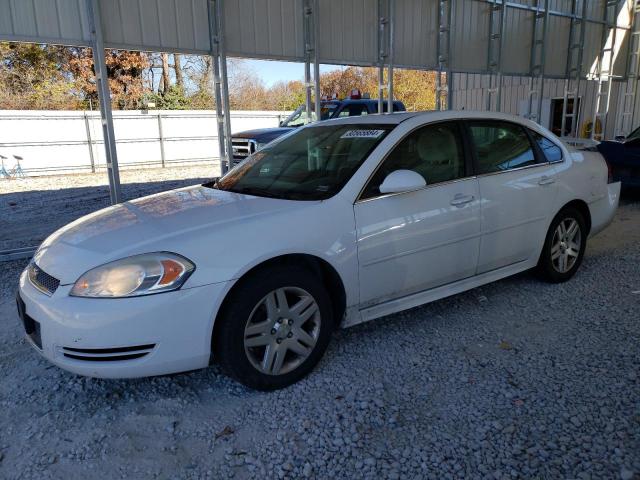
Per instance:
x=264, y=29
x=63, y=21
x=416, y=32
x=348, y=30
x=174, y=25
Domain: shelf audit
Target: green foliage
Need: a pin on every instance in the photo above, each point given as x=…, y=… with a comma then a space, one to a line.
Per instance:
x=174, y=99
x=31, y=77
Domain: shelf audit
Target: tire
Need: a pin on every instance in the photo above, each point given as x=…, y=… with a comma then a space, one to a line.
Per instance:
x=564, y=246
x=274, y=327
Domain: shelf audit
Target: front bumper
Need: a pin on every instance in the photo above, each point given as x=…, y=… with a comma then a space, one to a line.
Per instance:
x=125, y=337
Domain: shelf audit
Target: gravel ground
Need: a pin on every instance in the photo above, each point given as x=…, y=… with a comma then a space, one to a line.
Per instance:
x=34, y=207
x=517, y=379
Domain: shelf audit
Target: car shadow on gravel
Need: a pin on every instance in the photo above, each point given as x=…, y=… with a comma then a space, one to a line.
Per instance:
x=629, y=195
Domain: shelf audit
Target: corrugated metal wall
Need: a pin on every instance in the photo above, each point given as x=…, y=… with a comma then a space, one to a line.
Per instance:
x=348, y=35
x=470, y=93
x=469, y=44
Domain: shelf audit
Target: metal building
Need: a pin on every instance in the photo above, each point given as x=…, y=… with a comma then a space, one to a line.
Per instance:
x=537, y=58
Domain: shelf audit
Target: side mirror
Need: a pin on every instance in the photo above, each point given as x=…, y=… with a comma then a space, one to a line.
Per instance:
x=620, y=138
x=402, y=181
x=280, y=123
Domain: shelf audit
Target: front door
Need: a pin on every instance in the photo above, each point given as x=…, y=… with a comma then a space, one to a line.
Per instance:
x=413, y=241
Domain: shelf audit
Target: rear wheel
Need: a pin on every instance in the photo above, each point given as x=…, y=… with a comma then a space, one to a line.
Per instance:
x=274, y=328
x=564, y=246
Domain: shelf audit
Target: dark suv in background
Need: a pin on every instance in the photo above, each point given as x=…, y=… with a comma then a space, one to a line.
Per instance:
x=250, y=141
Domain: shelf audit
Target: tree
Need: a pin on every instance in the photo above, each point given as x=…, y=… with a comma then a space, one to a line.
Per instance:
x=57, y=77
x=285, y=95
x=415, y=88
x=31, y=77
x=177, y=68
x=341, y=81
x=124, y=71
x=246, y=88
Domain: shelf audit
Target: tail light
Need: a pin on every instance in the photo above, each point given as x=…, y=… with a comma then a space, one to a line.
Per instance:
x=609, y=172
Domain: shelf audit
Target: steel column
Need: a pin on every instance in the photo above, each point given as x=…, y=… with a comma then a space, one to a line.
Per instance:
x=316, y=56
x=442, y=51
x=392, y=7
x=382, y=52
x=385, y=53
x=538, y=60
x=104, y=95
x=494, y=54
x=632, y=69
x=573, y=71
x=310, y=27
x=605, y=64
x=89, y=142
x=222, y=53
x=214, y=39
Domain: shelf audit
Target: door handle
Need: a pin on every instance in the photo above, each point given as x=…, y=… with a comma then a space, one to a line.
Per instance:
x=460, y=200
x=546, y=180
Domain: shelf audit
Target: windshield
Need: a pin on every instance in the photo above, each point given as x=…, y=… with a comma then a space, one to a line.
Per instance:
x=634, y=134
x=299, y=117
x=314, y=163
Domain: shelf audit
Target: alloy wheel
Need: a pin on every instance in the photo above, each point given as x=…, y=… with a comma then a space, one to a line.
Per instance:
x=566, y=244
x=282, y=330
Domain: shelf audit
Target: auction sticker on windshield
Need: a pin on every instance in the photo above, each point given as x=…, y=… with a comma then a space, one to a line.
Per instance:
x=362, y=134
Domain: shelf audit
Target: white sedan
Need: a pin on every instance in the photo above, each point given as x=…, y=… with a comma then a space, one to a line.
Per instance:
x=333, y=225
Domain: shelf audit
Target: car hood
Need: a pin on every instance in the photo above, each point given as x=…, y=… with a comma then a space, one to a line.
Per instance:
x=263, y=135
x=176, y=220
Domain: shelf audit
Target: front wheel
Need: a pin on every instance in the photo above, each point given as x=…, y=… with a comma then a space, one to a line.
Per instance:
x=274, y=328
x=564, y=246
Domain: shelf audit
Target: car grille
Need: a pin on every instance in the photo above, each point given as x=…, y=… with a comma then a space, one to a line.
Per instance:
x=42, y=280
x=107, y=354
x=242, y=148
x=31, y=327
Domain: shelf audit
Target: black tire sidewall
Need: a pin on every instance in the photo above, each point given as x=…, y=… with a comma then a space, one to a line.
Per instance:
x=228, y=340
x=545, y=264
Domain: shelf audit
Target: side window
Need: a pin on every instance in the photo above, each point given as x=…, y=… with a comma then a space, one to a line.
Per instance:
x=434, y=151
x=353, y=111
x=550, y=150
x=385, y=107
x=501, y=146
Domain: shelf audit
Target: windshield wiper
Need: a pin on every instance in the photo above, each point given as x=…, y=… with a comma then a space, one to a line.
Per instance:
x=256, y=191
x=212, y=183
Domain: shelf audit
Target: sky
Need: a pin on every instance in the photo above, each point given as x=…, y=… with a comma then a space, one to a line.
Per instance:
x=271, y=71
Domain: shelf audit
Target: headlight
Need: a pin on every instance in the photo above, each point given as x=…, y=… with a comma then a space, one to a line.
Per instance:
x=134, y=276
x=260, y=146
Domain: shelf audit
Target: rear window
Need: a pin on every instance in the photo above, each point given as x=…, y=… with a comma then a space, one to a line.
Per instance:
x=501, y=146
x=550, y=150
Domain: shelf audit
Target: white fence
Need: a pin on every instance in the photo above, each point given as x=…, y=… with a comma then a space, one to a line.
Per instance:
x=54, y=142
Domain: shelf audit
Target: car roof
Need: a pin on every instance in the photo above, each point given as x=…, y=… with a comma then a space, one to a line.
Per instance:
x=430, y=116
x=365, y=101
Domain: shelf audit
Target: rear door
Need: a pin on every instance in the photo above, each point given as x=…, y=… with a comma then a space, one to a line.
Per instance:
x=518, y=189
